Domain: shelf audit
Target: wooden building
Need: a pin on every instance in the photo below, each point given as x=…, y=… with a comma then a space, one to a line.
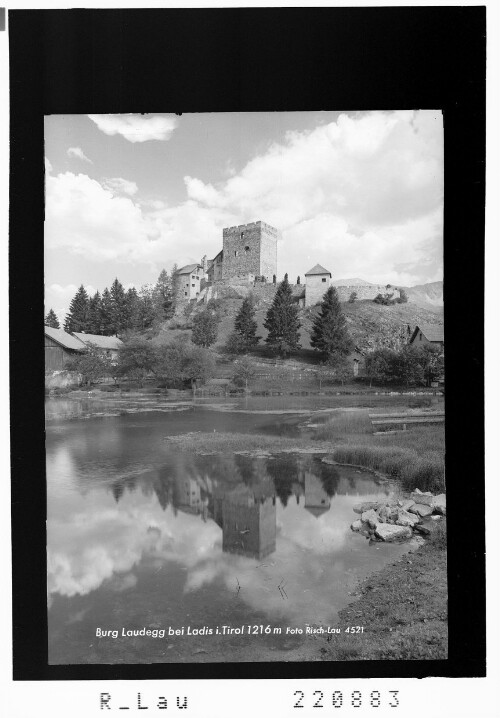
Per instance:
x=432, y=334
x=109, y=346
x=59, y=347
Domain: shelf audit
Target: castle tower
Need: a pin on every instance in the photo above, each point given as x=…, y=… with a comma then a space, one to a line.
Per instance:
x=250, y=249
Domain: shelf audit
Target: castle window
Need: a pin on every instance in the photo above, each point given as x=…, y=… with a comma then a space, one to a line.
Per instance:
x=192, y=285
x=324, y=279
x=185, y=294
x=235, y=253
x=247, y=248
x=420, y=336
x=242, y=235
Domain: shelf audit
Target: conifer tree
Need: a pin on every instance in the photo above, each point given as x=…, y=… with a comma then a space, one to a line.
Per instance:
x=329, y=333
x=51, y=320
x=76, y=319
x=246, y=326
x=106, y=313
x=94, y=314
x=146, y=307
x=119, y=308
x=282, y=321
x=164, y=296
x=132, y=302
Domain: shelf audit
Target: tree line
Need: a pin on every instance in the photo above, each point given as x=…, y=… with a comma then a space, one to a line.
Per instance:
x=116, y=311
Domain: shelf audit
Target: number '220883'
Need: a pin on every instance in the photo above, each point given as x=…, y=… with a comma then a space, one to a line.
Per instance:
x=356, y=699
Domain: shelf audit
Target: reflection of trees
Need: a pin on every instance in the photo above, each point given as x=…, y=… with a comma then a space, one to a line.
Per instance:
x=329, y=477
x=117, y=489
x=245, y=467
x=284, y=472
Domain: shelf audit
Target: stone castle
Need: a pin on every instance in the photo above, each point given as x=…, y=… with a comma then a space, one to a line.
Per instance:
x=248, y=261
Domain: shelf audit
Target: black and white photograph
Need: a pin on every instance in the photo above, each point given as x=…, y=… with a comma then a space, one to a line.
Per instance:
x=245, y=387
x=238, y=239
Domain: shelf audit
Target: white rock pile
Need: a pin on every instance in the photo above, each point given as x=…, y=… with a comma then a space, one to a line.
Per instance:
x=396, y=520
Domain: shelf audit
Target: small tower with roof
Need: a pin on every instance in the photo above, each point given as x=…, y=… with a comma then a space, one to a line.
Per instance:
x=318, y=280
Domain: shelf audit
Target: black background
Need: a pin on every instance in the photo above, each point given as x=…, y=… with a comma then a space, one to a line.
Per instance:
x=111, y=61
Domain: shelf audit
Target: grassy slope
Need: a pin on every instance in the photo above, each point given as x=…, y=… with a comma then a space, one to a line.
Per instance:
x=403, y=609
x=366, y=321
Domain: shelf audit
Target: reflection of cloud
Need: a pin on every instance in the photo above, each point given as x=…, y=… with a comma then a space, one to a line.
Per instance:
x=86, y=548
x=123, y=582
x=100, y=541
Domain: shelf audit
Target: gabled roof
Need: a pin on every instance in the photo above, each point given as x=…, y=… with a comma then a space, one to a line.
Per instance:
x=318, y=269
x=432, y=332
x=99, y=340
x=68, y=341
x=188, y=268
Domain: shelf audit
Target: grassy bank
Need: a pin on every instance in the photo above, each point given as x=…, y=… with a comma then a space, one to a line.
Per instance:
x=224, y=442
x=415, y=457
x=403, y=609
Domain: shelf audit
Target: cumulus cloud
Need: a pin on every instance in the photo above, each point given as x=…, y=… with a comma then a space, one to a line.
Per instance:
x=48, y=165
x=362, y=195
x=88, y=219
x=118, y=185
x=78, y=153
x=137, y=128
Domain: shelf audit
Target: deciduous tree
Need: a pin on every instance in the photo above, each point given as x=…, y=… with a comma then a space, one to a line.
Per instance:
x=93, y=364
x=205, y=328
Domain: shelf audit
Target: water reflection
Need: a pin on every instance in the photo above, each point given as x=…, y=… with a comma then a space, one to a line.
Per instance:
x=139, y=533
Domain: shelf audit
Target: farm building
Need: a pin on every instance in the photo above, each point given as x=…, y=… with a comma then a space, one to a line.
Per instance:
x=428, y=334
x=59, y=347
x=109, y=345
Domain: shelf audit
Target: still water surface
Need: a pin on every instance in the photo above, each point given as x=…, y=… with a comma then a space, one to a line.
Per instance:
x=143, y=535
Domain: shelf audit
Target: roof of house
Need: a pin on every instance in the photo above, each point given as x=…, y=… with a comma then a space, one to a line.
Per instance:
x=316, y=510
x=99, y=340
x=318, y=269
x=68, y=341
x=188, y=269
x=432, y=332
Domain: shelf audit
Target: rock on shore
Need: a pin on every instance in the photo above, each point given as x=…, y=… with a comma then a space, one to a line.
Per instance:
x=398, y=520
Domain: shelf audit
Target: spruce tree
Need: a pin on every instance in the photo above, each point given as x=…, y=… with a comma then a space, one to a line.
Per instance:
x=245, y=325
x=94, y=314
x=106, y=313
x=146, y=307
x=76, y=319
x=164, y=298
x=119, y=308
x=329, y=334
x=51, y=320
x=282, y=321
x=132, y=302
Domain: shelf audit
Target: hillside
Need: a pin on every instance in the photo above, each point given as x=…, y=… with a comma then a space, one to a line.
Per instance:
x=427, y=295
x=367, y=321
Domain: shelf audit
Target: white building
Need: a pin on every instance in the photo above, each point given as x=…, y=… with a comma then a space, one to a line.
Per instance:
x=317, y=282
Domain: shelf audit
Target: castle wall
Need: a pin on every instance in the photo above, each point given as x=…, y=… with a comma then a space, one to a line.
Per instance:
x=250, y=249
x=366, y=291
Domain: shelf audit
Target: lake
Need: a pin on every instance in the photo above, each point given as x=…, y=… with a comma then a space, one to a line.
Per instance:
x=144, y=537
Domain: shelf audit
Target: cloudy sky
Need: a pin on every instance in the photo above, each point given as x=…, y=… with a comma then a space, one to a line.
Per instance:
x=129, y=195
